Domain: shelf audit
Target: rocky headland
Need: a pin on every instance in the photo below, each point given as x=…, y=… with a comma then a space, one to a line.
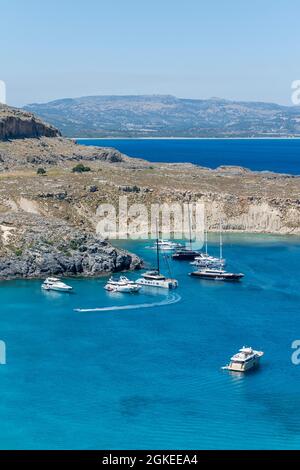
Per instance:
x=48, y=218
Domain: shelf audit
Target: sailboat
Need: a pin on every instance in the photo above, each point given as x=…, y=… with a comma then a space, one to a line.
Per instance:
x=154, y=278
x=186, y=254
x=205, y=260
x=217, y=274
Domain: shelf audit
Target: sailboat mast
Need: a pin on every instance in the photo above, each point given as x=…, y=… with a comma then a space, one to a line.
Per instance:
x=221, y=242
x=206, y=236
x=190, y=229
x=157, y=247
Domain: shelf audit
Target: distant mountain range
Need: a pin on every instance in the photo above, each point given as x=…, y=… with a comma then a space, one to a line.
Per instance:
x=167, y=116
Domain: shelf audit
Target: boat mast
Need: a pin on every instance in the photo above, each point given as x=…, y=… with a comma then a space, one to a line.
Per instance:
x=190, y=229
x=206, y=236
x=221, y=241
x=157, y=247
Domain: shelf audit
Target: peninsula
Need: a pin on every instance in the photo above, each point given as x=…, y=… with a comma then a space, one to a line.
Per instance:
x=48, y=211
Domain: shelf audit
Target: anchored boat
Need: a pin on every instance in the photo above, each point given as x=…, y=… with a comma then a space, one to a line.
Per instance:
x=167, y=245
x=217, y=274
x=53, y=283
x=204, y=260
x=123, y=284
x=244, y=360
x=154, y=278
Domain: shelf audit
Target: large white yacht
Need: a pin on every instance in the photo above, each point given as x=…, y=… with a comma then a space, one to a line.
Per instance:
x=245, y=359
x=123, y=284
x=53, y=283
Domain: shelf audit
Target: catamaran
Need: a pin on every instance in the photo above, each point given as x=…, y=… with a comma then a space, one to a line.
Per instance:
x=245, y=359
x=154, y=278
x=53, y=283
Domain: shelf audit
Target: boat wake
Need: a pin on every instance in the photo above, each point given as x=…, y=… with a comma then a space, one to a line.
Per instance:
x=171, y=299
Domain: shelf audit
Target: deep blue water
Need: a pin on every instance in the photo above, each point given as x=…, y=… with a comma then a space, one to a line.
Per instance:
x=282, y=156
x=151, y=377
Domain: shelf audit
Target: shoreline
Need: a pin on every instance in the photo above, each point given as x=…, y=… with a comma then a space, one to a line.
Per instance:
x=290, y=138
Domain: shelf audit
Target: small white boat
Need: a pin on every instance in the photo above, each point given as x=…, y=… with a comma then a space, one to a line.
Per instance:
x=244, y=360
x=123, y=284
x=53, y=283
x=155, y=279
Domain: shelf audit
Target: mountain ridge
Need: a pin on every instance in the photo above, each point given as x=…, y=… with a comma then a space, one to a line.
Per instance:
x=167, y=116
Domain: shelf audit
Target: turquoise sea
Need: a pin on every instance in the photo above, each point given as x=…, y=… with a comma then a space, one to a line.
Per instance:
x=280, y=155
x=151, y=377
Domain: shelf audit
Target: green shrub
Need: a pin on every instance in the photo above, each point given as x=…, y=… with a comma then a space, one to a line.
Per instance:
x=80, y=168
x=41, y=171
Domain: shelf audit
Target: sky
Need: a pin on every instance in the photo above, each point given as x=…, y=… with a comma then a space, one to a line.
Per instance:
x=231, y=49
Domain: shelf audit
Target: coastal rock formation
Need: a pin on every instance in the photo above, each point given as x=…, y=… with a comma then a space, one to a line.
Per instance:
x=17, y=124
x=34, y=247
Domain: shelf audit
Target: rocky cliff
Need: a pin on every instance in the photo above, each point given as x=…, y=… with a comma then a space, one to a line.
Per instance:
x=17, y=124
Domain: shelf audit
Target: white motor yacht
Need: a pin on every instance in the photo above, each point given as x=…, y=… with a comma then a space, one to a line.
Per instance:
x=123, y=284
x=245, y=359
x=53, y=283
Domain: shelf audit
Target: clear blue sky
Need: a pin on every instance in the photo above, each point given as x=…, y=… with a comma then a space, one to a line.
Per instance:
x=234, y=49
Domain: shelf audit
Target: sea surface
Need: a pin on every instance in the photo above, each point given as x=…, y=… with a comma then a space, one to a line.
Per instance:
x=151, y=377
x=279, y=155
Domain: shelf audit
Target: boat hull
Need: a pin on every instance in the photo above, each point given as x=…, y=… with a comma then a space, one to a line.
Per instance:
x=184, y=256
x=218, y=277
x=243, y=367
x=58, y=289
x=165, y=284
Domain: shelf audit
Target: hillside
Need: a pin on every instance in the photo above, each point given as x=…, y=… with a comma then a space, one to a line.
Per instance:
x=168, y=116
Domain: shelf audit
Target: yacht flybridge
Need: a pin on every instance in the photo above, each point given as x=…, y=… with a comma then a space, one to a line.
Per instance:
x=123, y=284
x=245, y=359
x=53, y=283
